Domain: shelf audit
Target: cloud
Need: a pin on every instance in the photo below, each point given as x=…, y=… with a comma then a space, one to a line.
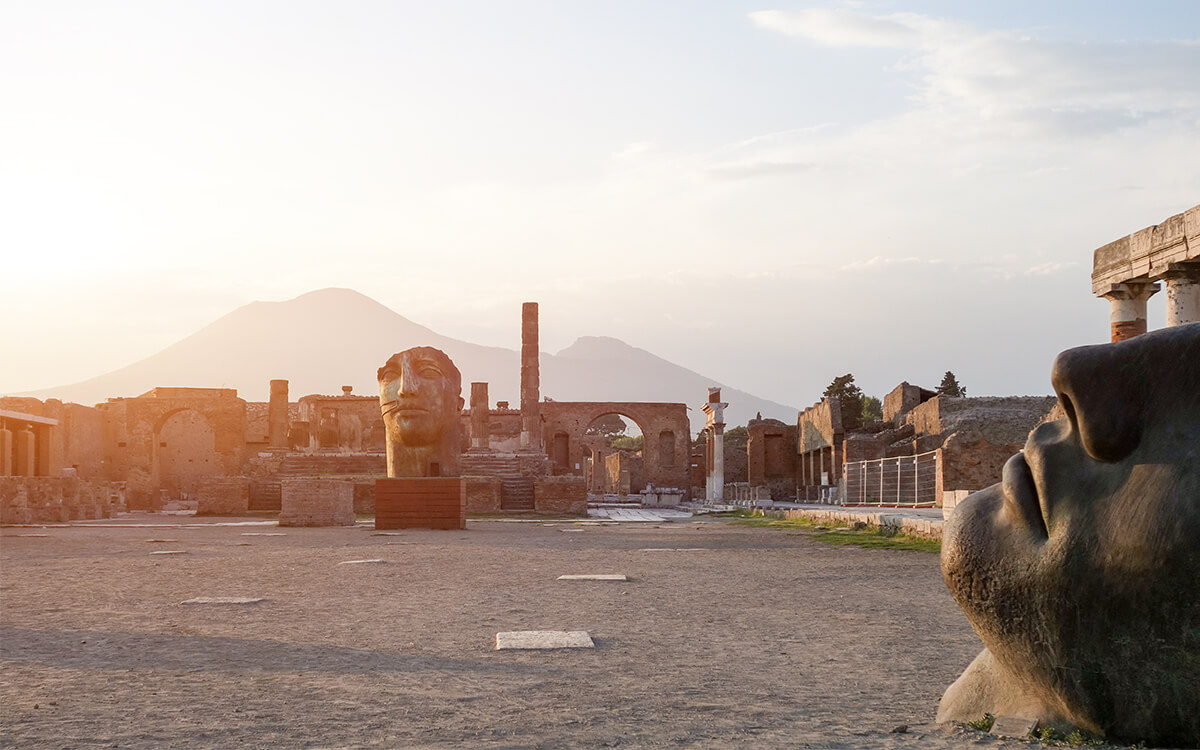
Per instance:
x=753, y=170
x=1062, y=87
x=839, y=28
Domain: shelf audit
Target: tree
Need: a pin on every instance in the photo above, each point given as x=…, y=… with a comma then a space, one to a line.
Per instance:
x=736, y=438
x=872, y=409
x=950, y=386
x=850, y=397
x=608, y=426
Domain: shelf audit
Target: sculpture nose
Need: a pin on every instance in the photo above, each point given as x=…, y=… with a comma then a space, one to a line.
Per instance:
x=407, y=384
x=1103, y=398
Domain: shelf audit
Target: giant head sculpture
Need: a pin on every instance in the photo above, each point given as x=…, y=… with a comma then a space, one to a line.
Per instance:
x=420, y=398
x=1080, y=571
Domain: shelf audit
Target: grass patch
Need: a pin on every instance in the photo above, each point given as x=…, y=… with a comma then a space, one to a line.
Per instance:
x=983, y=723
x=871, y=537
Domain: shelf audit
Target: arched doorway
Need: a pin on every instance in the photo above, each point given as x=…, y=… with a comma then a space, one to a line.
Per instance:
x=184, y=452
x=612, y=448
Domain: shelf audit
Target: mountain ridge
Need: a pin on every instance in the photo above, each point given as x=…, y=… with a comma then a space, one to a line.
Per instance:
x=327, y=338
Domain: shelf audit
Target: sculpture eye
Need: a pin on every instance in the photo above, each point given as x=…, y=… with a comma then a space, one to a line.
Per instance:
x=430, y=372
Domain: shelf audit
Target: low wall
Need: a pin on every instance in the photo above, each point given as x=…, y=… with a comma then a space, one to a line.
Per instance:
x=57, y=499
x=420, y=503
x=316, y=502
x=924, y=528
x=483, y=494
x=223, y=496
x=565, y=494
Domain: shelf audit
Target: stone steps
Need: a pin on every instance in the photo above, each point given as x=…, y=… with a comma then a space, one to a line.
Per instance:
x=316, y=464
x=516, y=487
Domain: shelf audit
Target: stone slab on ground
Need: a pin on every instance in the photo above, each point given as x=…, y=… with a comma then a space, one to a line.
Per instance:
x=542, y=639
x=169, y=552
x=224, y=600
x=373, y=561
x=595, y=577
x=1013, y=726
x=264, y=533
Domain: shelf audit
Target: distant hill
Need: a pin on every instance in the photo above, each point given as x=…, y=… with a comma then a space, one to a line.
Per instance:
x=325, y=339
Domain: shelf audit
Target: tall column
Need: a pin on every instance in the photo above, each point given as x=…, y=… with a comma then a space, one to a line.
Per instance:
x=531, y=422
x=277, y=414
x=714, y=412
x=1183, y=293
x=6, y=452
x=1128, y=307
x=479, y=417
x=23, y=453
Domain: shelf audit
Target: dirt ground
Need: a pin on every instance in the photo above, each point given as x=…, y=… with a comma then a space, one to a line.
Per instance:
x=761, y=636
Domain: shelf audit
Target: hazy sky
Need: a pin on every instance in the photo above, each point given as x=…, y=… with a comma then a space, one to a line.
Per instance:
x=769, y=193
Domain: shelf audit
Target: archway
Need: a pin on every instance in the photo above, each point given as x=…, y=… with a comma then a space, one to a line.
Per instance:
x=184, y=452
x=612, y=452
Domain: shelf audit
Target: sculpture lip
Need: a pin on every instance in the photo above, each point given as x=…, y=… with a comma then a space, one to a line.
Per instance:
x=1021, y=494
x=402, y=409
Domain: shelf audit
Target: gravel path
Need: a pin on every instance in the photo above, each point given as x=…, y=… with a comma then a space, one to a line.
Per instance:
x=761, y=636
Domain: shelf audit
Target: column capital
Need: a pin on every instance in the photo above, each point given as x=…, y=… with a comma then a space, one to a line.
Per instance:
x=1182, y=272
x=1137, y=290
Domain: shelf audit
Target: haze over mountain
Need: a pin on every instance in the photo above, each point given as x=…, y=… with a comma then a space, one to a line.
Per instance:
x=325, y=339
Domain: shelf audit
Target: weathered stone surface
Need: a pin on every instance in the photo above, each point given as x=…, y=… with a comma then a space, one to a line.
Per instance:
x=223, y=496
x=317, y=502
x=484, y=494
x=565, y=494
x=169, y=552
x=595, y=577
x=1085, y=555
x=224, y=600
x=420, y=395
x=372, y=561
x=543, y=639
x=1013, y=726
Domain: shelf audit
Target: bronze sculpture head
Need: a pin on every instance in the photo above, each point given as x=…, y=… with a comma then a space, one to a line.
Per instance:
x=1080, y=571
x=420, y=397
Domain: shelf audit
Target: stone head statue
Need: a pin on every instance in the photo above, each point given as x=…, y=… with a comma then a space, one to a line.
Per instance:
x=1080, y=571
x=420, y=398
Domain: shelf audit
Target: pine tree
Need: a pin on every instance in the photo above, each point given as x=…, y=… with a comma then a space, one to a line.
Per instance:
x=850, y=397
x=950, y=386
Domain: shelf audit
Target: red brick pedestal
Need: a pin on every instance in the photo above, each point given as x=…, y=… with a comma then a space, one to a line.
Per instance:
x=421, y=503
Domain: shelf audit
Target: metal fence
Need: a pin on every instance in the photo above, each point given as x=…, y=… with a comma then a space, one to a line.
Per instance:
x=903, y=481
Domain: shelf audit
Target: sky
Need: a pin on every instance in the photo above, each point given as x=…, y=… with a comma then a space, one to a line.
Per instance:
x=769, y=193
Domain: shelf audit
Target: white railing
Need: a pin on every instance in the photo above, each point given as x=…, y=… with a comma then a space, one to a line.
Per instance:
x=903, y=481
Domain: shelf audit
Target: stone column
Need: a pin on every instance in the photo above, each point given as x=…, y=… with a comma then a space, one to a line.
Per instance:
x=1128, y=307
x=277, y=414
x=1183, y=293
x=479, y=416
x=714, y=412
x=531, y=422
x=23, y=453
x=6, y=452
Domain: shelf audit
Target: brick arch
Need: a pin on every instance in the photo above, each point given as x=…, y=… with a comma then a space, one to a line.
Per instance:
x=653, y=419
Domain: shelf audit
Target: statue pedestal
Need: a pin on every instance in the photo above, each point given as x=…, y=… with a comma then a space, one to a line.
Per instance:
x=421, y=503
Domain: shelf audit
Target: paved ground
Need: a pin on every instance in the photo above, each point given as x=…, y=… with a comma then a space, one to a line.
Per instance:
x=753, y=635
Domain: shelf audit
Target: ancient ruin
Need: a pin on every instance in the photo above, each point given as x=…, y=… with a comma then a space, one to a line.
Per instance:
x=1126, y=273
x=1078, y=571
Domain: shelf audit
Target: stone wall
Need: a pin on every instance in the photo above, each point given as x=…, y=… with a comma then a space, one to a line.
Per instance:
x=771, y=457
x=484, y=494
x=903, y=399
x=56, y=499
x=316, y=502
x=345, y=422
x=223, y=496
x=562, y=494
x=970, y=462
x=420, y=503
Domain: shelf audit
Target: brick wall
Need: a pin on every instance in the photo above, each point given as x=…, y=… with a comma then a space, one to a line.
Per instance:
x=316, y=502
x=223, y=496
x=563, y=494
x=420, y=503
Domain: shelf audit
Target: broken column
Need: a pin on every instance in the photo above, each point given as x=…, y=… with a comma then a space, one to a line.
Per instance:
x=277, y=414
x=1183, y=293
x=531, y=422
x=1127, y=311
x=479, y=416
x=714, y=412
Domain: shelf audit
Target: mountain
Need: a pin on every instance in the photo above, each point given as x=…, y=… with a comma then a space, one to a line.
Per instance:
x=325, y=339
